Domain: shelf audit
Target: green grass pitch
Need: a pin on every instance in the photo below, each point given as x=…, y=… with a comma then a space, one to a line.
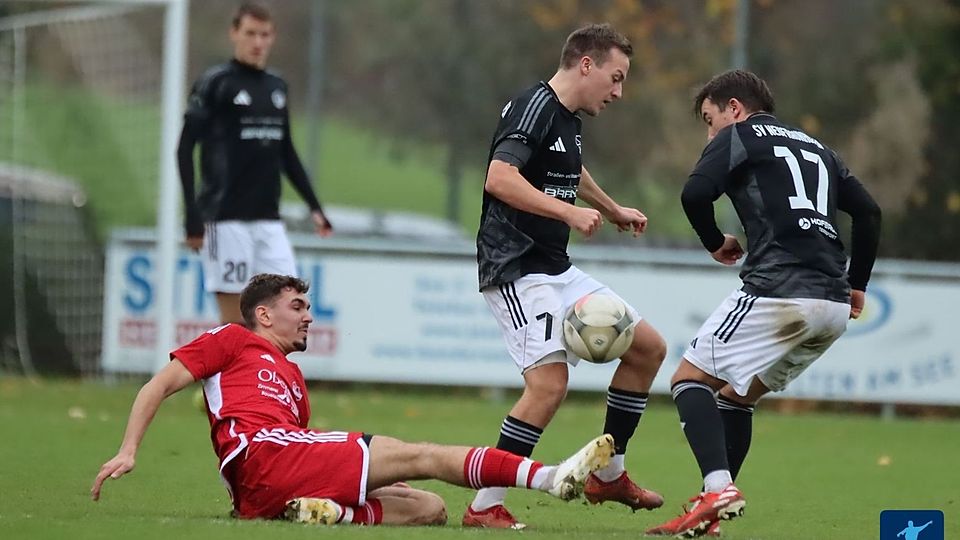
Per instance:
x=808, y=476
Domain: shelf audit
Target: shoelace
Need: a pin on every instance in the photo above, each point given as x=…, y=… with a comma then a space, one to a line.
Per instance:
x=695, y=500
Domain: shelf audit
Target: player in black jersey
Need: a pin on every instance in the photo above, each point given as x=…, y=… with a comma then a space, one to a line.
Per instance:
x=238, y=113
x=535, y=175
x=797, y=293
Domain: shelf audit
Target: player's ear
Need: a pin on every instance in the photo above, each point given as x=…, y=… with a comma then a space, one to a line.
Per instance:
x=586, y=64
x=733, y=104
x=262, y=314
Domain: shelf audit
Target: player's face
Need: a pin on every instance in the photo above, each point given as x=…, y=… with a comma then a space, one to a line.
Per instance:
x=715, y=119
x=604, y=82
x=252, y=41
x=291, y=320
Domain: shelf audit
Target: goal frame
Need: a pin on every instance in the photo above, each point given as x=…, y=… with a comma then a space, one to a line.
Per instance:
x=173, y=94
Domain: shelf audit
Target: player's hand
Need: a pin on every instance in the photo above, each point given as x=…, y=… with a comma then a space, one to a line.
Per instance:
x=857, y=299
x=730, y=252
x=321, y=224
x=584, y=220
x=195, y=243
x=629, y=219
x=120, y=465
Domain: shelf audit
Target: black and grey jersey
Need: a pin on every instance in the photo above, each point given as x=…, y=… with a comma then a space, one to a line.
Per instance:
x=238, y=114
x=512, y=243
x=785, y=187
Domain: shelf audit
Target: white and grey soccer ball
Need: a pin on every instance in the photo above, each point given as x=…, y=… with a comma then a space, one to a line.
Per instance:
x=598, y=328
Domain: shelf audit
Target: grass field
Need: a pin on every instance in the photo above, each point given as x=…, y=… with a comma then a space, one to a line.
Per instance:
x=809, y=476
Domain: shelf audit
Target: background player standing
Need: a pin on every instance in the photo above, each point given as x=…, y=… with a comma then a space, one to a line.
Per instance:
x=797, y=294
x=273, y=464
x=238, y=113
x=534, y=176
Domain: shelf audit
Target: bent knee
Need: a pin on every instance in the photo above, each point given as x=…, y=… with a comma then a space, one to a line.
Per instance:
x=649, y=351
x=547, y=393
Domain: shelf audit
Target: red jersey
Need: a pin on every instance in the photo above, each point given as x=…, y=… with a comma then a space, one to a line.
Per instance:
x=248, y=384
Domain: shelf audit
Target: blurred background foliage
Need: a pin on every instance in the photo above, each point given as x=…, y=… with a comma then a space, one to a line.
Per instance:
x=409, y=92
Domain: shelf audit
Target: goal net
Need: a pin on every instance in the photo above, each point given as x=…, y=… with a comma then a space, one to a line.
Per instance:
x=80, y=139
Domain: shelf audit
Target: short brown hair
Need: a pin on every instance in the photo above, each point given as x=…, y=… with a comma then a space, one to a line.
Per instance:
x=257, y=11
x=744, y=85
x=264, y=289
x=595, y=41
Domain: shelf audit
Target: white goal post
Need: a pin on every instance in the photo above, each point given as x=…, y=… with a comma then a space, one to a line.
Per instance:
x=172, y=98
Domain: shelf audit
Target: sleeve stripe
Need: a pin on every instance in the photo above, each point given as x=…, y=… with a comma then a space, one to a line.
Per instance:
x=530, y=114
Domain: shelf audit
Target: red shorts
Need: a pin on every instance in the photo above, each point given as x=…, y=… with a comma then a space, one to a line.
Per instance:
x=284, y=463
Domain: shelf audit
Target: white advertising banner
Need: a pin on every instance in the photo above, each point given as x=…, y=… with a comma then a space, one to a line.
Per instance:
x=418, y=318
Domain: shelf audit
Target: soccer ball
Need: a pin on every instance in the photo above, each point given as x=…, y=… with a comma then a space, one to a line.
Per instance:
x=598, y=328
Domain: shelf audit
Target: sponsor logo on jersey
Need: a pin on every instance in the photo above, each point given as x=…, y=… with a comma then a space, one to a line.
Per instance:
x=824, y=226
x=261, y=133
x=560, y=192
x=558, y=146
x=242, y=98
x=278, y=98
x=279, y=391
x=518, y=137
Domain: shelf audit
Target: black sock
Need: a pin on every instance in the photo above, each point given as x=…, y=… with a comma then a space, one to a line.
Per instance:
x=518, y=437
x=701, y=424
x=738, y=430
x=624, y=409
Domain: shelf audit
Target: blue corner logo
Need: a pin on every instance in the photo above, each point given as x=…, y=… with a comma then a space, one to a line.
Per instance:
x=911, y=525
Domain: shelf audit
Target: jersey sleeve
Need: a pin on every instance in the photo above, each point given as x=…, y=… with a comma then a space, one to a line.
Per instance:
x=855, y=200
x=528, y=118
x=210, y=352
x=202, y=101
x=707, y=183
x=721, y=156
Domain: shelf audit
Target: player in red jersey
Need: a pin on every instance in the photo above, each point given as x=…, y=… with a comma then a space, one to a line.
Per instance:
x=273, y=465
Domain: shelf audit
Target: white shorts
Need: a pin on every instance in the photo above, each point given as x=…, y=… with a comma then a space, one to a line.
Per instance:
x=774, y=339
x=530, y=313
x=235, y=251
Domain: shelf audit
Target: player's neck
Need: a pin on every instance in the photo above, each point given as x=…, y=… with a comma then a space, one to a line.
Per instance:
x=267, y=335
x=249, y=65
x=564, y=86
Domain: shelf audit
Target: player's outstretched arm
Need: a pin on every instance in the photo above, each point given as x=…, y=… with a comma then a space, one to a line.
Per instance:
x=626, y=219
x=505, y=182
x=173, y=377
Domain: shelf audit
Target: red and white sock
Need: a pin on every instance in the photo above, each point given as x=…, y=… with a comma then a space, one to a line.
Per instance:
x=490, y=467
x=368, y=514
